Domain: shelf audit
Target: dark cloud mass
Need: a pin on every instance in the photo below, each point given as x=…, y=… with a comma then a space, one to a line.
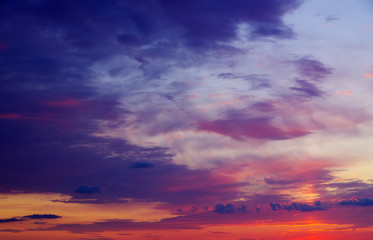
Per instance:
x=51, y=111
x=42, y=216
x=363, y=202
x=29, y=217
x=206, y=21
x=7, y=220
x=303, y=207
x=221, y=208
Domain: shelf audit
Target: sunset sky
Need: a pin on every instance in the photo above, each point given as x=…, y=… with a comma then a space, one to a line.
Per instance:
x=186, y=119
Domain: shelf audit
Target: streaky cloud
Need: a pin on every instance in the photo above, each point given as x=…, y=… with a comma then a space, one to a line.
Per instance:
x=257, y=128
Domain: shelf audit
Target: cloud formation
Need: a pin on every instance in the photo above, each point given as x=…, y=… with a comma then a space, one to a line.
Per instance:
x=312, y=69
x=259, y=128
x=214, y=111
x=30, y=217
x=363, y=202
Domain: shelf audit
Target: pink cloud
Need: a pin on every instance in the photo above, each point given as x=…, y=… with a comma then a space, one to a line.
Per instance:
x=368, y=75
x=258, y=128
x=343, y=93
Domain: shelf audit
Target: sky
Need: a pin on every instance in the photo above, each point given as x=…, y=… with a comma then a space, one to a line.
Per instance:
x=186, y=119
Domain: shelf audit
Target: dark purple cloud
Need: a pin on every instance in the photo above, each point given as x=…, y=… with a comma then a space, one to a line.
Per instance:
x=362, y=202
x=30, y=217
x=11, y=230
x=51, y=111
x=221, y=208
x=88, y=28
x=312, y=69
x=7, y=220
x=52, y=167
x=303, y=207
x=229, y=208
x=307, y=89
x=54, y=156
x=205, y=22
x=42, y=216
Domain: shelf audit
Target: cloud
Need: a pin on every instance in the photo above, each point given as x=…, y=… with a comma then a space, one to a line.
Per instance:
x=206, y=22
x=312, y=69
x=42, y=216
x=11, y=230
x=349, y=189
x=297, y=207
x=7, y=220
x=300, y=176
x=29, y=217
x=120, y=225
x=362, y=202
x=271, y=30
x=355, y=184
x=257, y=128
x=203, y=220
x=229, y=209
x=221, y=208
x=66, y=158
x=307, y=89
